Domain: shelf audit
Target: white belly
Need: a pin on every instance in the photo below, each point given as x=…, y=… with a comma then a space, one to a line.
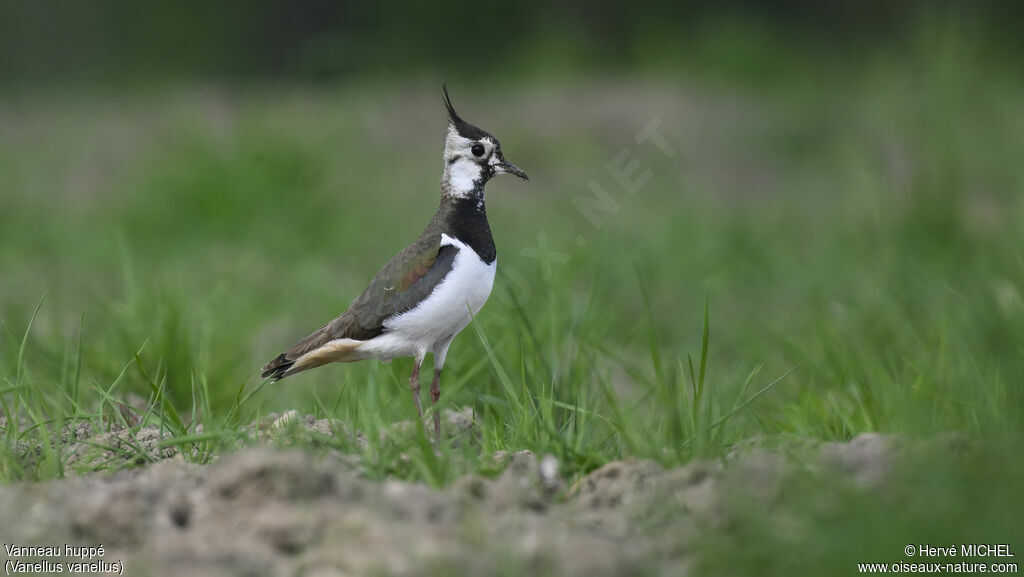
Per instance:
x=442, y=314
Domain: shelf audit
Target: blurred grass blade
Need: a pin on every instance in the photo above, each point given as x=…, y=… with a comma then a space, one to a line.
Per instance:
x=18, y=372
x=161, y=399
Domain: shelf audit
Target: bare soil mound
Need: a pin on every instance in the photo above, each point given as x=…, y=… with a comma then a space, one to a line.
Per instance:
x=270, y=512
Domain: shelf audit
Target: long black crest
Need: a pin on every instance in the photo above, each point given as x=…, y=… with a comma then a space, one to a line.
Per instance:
x=453, y=116
x=461, y=126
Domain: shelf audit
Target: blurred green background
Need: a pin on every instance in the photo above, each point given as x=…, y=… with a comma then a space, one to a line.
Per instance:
x=215, y=180
x=272, y=42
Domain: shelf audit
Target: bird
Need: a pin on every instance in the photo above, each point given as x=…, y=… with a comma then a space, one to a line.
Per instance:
x=428, y=292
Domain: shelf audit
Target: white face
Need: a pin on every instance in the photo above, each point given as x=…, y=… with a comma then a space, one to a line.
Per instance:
x=466, y=160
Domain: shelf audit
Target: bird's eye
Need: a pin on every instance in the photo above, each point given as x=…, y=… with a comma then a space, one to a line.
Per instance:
x=477, y=150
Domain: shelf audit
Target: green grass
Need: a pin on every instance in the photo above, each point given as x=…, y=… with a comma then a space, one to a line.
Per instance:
x=818, y=260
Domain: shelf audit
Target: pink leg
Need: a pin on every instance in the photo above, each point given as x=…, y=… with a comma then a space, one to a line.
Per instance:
x=414, y=386
x=435, y=396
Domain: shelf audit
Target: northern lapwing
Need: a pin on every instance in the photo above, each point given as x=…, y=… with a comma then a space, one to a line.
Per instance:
x=429, y=291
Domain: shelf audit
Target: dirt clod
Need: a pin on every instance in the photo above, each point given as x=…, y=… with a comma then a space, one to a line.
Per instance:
x=269, y=512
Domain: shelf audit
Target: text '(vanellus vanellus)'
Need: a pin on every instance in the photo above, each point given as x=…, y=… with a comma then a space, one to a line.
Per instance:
x=428, y=292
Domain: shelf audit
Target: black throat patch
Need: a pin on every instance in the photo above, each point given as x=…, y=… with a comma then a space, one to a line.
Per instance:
x=466, y=220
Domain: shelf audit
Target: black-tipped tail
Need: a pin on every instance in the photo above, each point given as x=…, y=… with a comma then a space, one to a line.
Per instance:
x=277, y=368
